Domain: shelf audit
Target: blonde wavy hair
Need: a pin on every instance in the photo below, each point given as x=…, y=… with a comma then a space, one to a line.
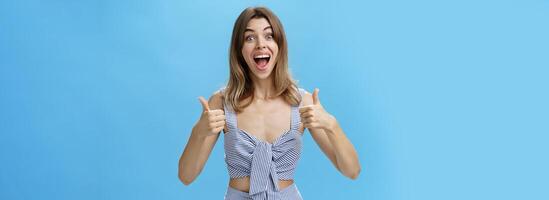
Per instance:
x=240, y=84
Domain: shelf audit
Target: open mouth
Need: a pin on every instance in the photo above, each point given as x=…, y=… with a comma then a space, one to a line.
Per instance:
x=262, y=60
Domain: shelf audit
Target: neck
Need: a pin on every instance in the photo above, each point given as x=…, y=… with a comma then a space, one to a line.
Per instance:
x=263, y=89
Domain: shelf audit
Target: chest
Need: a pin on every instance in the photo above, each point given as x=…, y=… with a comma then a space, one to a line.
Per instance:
x=265, y=120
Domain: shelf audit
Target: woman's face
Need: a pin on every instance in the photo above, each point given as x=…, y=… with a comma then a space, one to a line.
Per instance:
x=260, y=49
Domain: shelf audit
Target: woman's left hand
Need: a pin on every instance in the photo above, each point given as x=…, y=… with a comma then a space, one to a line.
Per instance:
x=314, y=116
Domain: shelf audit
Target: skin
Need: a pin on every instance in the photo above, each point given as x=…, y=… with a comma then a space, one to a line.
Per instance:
x=266, y=118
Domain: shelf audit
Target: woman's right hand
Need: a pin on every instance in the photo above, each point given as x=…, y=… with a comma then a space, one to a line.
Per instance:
x=202, y=139
x=212, y=121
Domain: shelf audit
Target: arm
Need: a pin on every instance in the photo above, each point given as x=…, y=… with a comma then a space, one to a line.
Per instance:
x=329, y=136
x=202, y=140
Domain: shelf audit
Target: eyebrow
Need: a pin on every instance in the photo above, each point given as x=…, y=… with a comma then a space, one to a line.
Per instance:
x=248, y=29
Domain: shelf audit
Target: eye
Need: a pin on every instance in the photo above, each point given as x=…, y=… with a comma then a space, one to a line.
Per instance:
x=269, y=36
x=250, y=38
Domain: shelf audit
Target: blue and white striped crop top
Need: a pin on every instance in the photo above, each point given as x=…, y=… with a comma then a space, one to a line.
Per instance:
x=263, y=162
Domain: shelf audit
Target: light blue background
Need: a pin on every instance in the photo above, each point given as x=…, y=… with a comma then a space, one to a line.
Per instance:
x=442, y=99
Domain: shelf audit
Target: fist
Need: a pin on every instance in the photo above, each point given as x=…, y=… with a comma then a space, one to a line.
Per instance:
x=211, y=121
x=314, y=116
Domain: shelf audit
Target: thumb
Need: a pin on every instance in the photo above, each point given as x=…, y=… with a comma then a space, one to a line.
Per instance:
x=204, y=103
x=316, y=101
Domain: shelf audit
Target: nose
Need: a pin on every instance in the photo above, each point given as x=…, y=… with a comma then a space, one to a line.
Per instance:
x=260, y=44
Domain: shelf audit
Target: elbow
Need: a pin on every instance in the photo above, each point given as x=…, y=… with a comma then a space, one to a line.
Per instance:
x=349, y=171
x=185, y=179
x=185, y=175
x=353, y=174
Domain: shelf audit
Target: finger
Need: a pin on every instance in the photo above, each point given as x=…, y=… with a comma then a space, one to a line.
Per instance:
x=218, y=124
x=218, y=129
x=217, y=118
x=316, y=101
x=307, y=125
x=309, y=119
x=216, y=112
x=215, y=130
x=312, y=125
x=307, y=114
x=305, y=109
x=303, y=119
x=204, y=103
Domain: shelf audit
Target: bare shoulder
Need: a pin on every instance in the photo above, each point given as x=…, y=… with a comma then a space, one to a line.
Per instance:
x=307, y=99
x=216, y=100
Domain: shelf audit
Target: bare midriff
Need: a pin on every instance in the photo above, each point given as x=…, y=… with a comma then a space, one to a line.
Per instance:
x=243, y=184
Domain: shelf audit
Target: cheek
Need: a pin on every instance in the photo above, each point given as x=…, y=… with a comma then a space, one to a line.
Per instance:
x=275, y=49
x=246, y=51
x=275, y=53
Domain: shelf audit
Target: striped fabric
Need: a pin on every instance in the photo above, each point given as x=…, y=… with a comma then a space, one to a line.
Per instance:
x=263, y=162
x=289, y=193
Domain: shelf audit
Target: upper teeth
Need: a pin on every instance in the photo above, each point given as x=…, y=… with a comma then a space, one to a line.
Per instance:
x=261, y=56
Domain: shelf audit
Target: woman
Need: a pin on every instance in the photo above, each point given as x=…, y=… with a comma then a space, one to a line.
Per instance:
x=263, y=115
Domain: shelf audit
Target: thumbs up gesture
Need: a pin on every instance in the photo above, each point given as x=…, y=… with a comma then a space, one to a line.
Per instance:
x=211, y=121
x=314, y=116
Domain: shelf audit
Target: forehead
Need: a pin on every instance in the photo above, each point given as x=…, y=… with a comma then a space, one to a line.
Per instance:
x=258, y=24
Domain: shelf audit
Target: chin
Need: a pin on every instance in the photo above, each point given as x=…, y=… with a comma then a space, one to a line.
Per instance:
x=261, y=75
